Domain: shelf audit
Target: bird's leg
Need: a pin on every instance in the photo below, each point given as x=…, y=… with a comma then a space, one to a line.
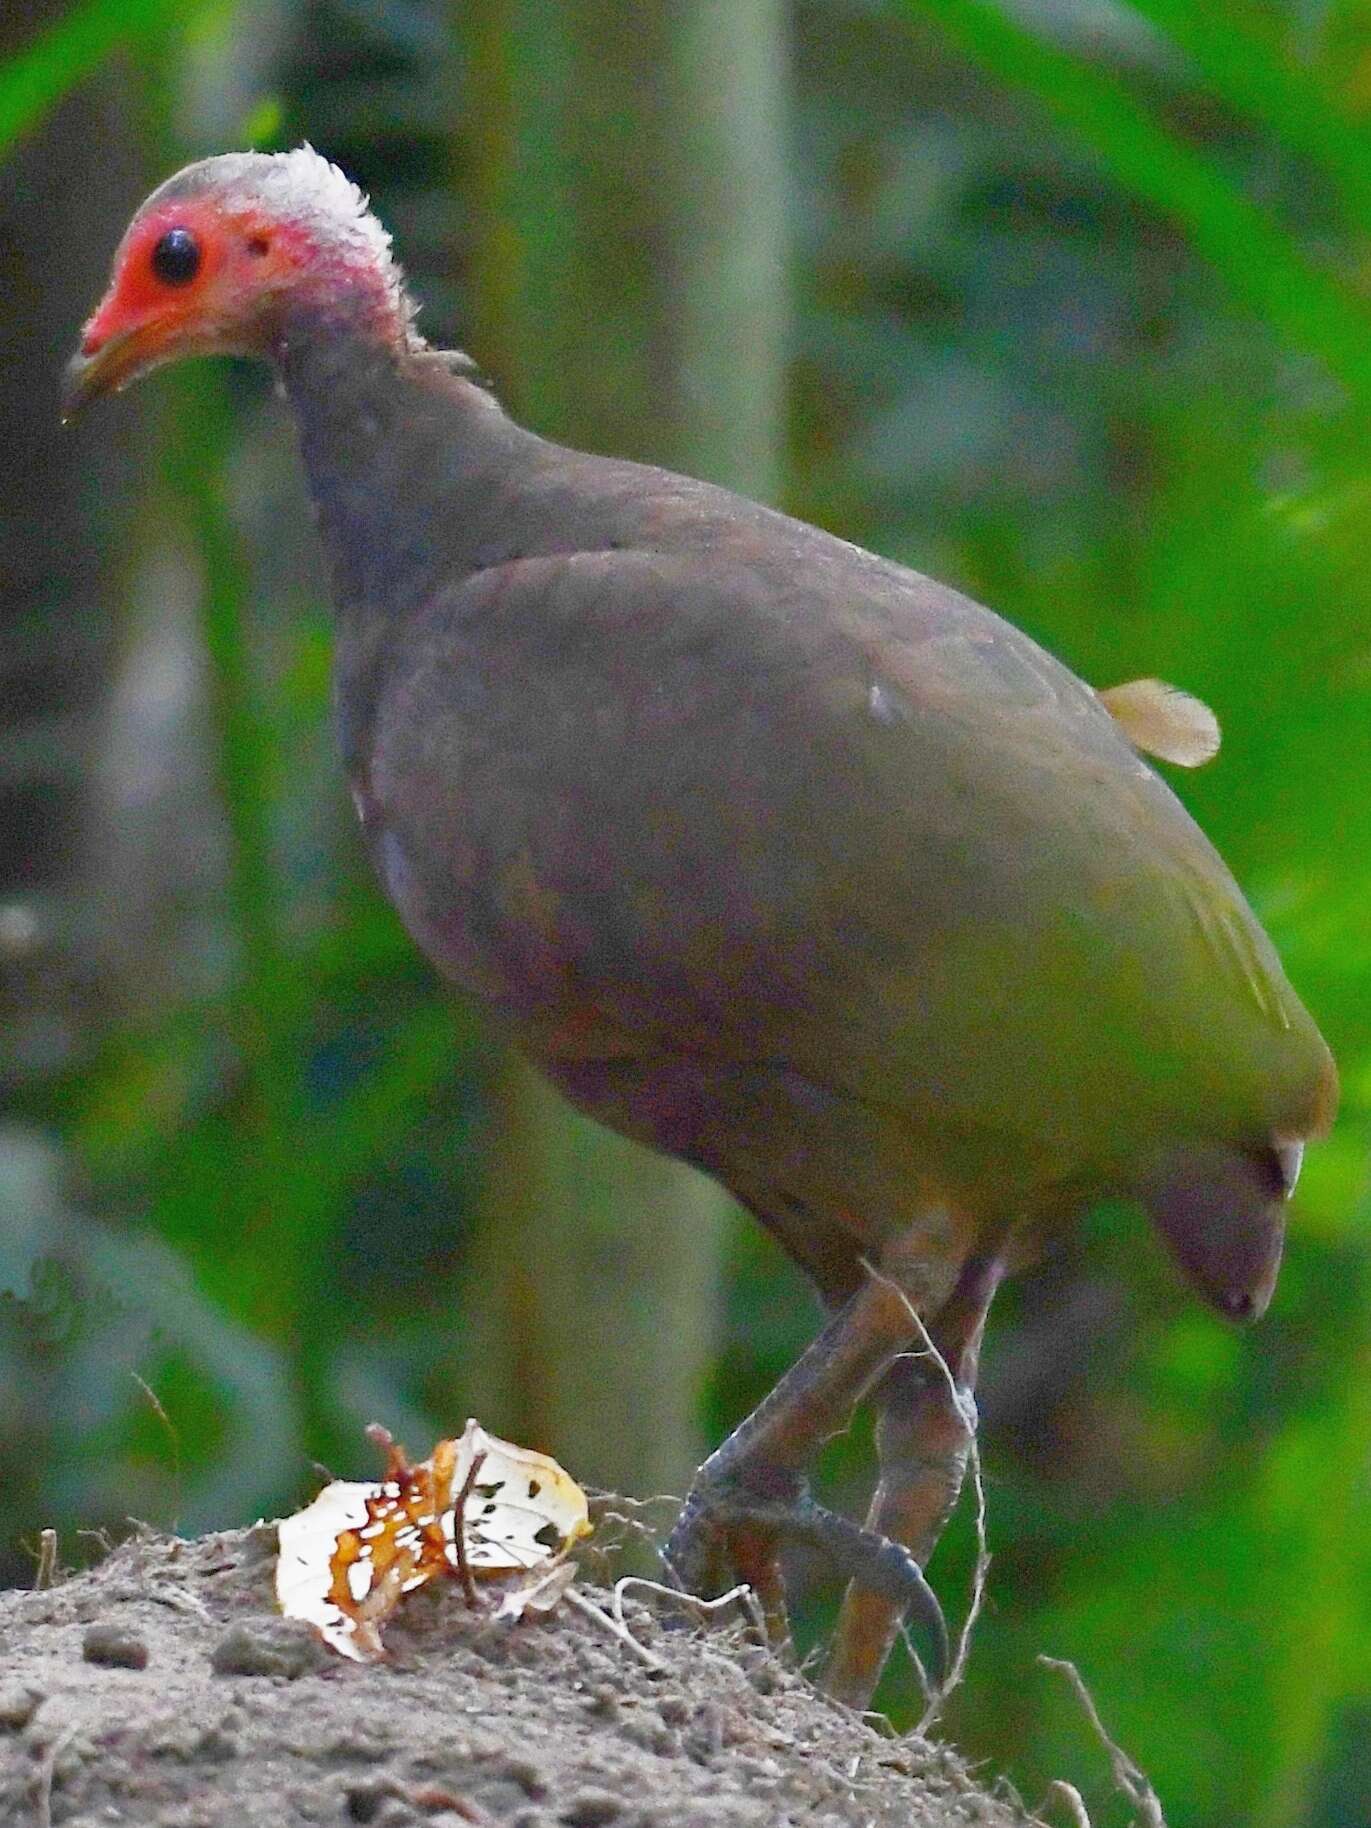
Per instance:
x=750, y=1496
x=924, y=1432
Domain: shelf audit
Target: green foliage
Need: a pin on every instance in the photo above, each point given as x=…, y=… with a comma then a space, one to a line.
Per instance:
x=1259, y=258
x=1082, y=327
x=71, y=49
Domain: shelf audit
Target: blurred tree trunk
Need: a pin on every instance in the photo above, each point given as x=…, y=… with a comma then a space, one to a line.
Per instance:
x=624, y=165
x=66, y=492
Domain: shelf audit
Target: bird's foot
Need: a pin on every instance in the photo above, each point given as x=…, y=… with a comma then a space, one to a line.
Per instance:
x=732, y=1528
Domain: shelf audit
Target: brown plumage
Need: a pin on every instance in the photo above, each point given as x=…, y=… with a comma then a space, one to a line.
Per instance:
x=775, y=854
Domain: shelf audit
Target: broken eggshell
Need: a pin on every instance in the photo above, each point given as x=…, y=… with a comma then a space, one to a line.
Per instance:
x=347, y=1559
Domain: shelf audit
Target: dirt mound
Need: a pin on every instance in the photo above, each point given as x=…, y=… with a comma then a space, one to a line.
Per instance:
x=161, y=1690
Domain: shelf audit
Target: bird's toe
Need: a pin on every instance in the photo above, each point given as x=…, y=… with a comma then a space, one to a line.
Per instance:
x=732, y=1530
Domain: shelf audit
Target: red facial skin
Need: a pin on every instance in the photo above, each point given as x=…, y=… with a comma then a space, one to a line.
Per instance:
x=253, y=269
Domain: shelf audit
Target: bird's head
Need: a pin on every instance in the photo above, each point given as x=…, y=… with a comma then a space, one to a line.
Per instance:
x=224, y=257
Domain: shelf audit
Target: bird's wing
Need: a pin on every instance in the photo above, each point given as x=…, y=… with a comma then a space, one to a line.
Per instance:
x=771, y=798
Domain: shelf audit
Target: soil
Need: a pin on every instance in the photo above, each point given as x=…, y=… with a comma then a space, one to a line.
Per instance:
x=162, y=1690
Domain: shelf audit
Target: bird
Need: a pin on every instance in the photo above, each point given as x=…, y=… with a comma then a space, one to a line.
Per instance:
x=771, y=853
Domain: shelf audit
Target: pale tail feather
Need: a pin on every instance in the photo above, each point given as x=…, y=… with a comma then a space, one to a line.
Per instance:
x=1165, y=722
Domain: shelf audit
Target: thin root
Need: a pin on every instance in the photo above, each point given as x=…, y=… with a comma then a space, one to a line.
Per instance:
x=1131, y=1782
x=615, y=1626
x=980, y=1573
x=611, y=1511
x=736, y=1596
x=169, y=1428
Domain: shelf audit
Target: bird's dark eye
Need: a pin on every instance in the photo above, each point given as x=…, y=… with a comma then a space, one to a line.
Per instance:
x=176, y=257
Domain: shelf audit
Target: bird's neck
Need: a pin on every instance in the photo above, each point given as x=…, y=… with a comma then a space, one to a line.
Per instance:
x=411, y=469
x=405, y=461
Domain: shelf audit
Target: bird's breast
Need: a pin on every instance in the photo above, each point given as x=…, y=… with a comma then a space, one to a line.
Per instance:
x=461, y=918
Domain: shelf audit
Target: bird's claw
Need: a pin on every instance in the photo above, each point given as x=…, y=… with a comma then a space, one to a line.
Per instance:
x=730, y=1529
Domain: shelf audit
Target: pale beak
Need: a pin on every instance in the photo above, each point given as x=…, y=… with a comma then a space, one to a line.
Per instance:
x=112, y=366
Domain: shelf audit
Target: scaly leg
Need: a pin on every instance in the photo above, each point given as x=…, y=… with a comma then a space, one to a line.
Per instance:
x=923, y=1437
x=751, y=1496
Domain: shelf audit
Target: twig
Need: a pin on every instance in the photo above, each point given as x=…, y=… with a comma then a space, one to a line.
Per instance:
x=459, y=1530
x=577, y=1600
x=965, y=1407
x=46, y=1572
x=385, y=1444
x=1129, y=1779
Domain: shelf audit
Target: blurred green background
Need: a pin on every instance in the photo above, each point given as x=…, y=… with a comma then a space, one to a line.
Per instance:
x=1063, y=301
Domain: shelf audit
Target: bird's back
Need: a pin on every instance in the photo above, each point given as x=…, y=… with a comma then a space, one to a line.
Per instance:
x=679, y=776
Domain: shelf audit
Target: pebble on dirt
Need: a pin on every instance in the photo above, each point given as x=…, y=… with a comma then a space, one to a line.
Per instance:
x=114, y=1647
